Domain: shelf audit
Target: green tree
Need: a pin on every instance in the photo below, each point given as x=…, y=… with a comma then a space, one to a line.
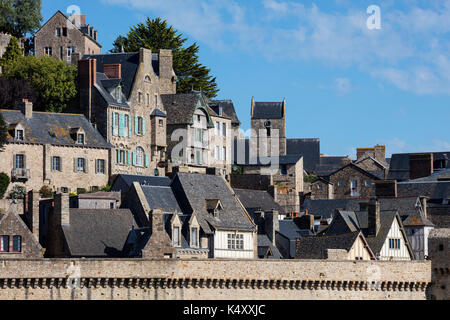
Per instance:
x=52, y=80
x=3, y=132
x=4, y=183
x=20, y=17
x=156, y=34
x=12, y=53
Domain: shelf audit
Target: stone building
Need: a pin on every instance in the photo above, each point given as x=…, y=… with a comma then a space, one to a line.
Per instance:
x=198, y=138
x=120, y=95
x=439, y=248
x=378, y=153
x=62, y=36
x=411, y=166
x=61, y=151
x=16, y=240
x=227, y=107
x=4, y=42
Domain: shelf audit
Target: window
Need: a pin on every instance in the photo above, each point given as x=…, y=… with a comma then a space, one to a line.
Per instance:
x=17, y=244
x=48, y=51
x=56, y=163
x=19, y=135
x=216, y=153
x=394, y=244
x=140, y=123
x=340, y=183
x=100, y=166
x=58, y=32
x=194, y=233
x=140, y=97
x=140, y=157
x=122, y=157
x=80, y=165
x=368, y=183
x=61, y=53
x=80, y=138
x=148, y=100
x=64, y=32
x=115, y=124
x=156, y=101
x=224, y=129
x=118, y=93
x=354, y=188
x=4, y=243
x=283, y=170
x=216, y=127
x=161, y=123
x=147, y=79
x=126, y=121
x=199, y=157
x=19, y=161
x=269, y=132
x=176, y=236
x=319, y=186
x=224, y=154
x=199, y=135
x=235, y=241
x=70, y=50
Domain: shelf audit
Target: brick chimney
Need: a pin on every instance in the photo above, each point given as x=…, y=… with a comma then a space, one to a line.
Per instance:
x=420, y=165
x=374, y=217
x=26, y=107
x=159, y=246
x=113, y=71
x=271, y=225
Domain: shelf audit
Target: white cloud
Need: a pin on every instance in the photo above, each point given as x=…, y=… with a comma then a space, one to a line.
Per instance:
x=409, y=52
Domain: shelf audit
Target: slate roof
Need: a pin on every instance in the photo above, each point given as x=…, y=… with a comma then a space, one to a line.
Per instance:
x=98, y=233
x=268, y=110
x=290, y=230
x=329, y=164
x=264, y=245
x=55, y=128
x=417, y=219
x=433, y=189
x=370, y=175
x=102, y=85
x=325, y=208
x=351, y=221
x=130, y=64
x=181, y=107
x=161, y=198
x=100, y=195
x=443, y=175
x=399, y=165
x=315, y=247
x=158, y=113
x=254, y=200
x=123, y=182
x=228, y=109
x=308, y=148
x=192, y=191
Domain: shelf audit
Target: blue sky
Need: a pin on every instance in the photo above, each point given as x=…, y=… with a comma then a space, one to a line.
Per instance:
x=343, y=83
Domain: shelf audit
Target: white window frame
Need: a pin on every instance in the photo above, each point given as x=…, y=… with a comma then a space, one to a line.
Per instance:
x=140, y=157
x=20, y=134
x=176, y=236
x=70, y=50
x=100, y=169
x=56, y=163
x=21, y=162
x=82, y=168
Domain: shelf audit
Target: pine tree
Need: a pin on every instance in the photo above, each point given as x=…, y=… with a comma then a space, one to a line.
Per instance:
x=156, y=34
x=12, y=53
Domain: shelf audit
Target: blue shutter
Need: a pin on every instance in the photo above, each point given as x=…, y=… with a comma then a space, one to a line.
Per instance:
x=133, y=159
x=147, y=161
x=121, y=125
x=128, y=157
x=136, y=124
x=129, y=126
x=117, y=156
x=113, y=122
x=143, y=126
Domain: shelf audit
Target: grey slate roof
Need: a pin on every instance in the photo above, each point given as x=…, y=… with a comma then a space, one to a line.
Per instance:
x=264, y=245
x=158, y=113
x=315, y=247
x=102, y=85
x=123, y=182
x=325, y=208
x=254, y=200
x=192, y=191
x=308, y=148
x=181, y=107
x=161, y=198
x=417, y=219
x=228, y=109
x=443, y=175
x=290, y=230
x=98, y=233
x=268, y=110
x=130, y=64
x=367, y=173
x=54, y=128
x=399, y=165
x=433, y=189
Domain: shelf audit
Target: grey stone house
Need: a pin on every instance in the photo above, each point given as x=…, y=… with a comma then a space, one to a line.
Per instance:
x=62, y=36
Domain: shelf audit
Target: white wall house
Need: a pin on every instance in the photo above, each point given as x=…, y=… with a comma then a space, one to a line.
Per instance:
x=395, y=245
x=234, y=245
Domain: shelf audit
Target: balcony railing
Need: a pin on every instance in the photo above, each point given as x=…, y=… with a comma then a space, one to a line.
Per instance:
x=20, y=173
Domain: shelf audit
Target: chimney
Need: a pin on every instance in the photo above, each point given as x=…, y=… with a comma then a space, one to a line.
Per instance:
x=145, y=56
x=26, y=107
x=165, y=64
x=113, y=71
x=157, y=223
x=253, y=106
x=271, y=225
x=345, y=161
x=87, y=77
x=74, y=59
x=260, y=221
x=61, y=211
x=159, y=246
x=33, y=212
x=78, y=19
x=380, y=154
x=423, y=203
x=386, y=188
x=374, y=221
x=305, y=222
x=420, y=165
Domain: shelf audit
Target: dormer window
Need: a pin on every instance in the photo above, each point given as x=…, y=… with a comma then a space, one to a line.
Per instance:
x=118, y=93
x=80, y=138
x=147, y=79
x=194, y=237
x=214, y=207
x=176, y=236
x=19, y=135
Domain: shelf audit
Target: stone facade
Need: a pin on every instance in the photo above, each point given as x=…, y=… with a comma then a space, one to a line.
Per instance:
x=16, y=231
x=349, y=182
x=220, y=142
x=136, y=129
x=4, y=42
x=439, y=248
x=60, y=37
x=322, y=189
x=211, y=280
